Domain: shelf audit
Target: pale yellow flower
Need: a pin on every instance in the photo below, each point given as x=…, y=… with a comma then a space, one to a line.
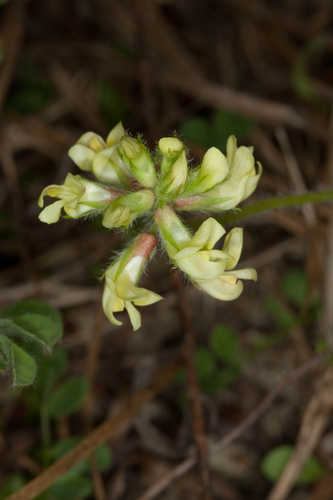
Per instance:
x=209, y=269
x=121, y=277
x=239, y=183
x=78, y=197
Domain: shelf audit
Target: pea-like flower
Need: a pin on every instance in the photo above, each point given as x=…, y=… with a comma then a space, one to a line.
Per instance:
x=90, y=144
x=239, y=183
x=121, y=278
x=208, y=269
x=78, y=197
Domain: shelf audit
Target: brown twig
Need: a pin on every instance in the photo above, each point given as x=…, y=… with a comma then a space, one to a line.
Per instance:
x=295, y=174
x=253, y=417
x=219, y=96
x=94, y=346
x=110, y=428
x=193, y=388
x=314, y=422
x=168, y=478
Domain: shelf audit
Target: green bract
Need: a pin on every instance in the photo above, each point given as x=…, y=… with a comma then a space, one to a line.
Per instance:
x=130, y=183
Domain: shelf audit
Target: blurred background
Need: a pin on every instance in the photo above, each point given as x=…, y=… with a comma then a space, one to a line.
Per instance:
x=261, y=70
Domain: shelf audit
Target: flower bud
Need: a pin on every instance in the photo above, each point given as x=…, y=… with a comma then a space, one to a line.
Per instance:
x=78, y=197
x=173, y=167
x=123, y=210
x=121, y=278
x=136, y=156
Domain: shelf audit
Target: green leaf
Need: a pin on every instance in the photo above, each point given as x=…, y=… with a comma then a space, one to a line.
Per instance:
x=50, y=369
x=275, y=461
x=295, y=286
x=12, y=484
x=103, y=457
x=68, y=397
x=71, y=488
x=22, y=366
x=225, y=344
x=36, y=320
x=204, y=362
x=284, y=319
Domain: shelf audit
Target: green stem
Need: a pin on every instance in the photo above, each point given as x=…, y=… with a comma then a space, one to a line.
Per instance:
x=275, y=202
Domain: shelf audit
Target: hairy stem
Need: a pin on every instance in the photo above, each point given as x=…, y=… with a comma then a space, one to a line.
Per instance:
x=275, y=202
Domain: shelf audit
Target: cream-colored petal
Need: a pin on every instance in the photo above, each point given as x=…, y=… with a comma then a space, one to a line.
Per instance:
x=244, y=274
x=252, y=182
x=103, y=168
x=220, y=289
x=147, y=298
x=214, y=168
x=233, y=245
x=243, y=163
x=51, y=213
x=231, y=149
x=92, y=141
x=199, y=267
x=115, y=135
x=168, y=145
x=111, y=303
x=208, y=234
x=53, y=190
x=134, y=315
x=82, y=156
x=186, y=252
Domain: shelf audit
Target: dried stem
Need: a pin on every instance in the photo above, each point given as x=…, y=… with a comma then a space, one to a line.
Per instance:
x=193, y=388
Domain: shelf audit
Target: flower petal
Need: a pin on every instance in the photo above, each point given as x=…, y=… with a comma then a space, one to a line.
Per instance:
x=115, y=135
x=51, y=213
x=53, y=190
x=199, y=267
x=221, y=289
x=233, y=245
x=244, y=274
x=231, y=149
x=208, y=234
x=82, y=156
x=134, y=315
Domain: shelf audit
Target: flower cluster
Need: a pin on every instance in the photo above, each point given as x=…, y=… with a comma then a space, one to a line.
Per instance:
x=130, y=183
